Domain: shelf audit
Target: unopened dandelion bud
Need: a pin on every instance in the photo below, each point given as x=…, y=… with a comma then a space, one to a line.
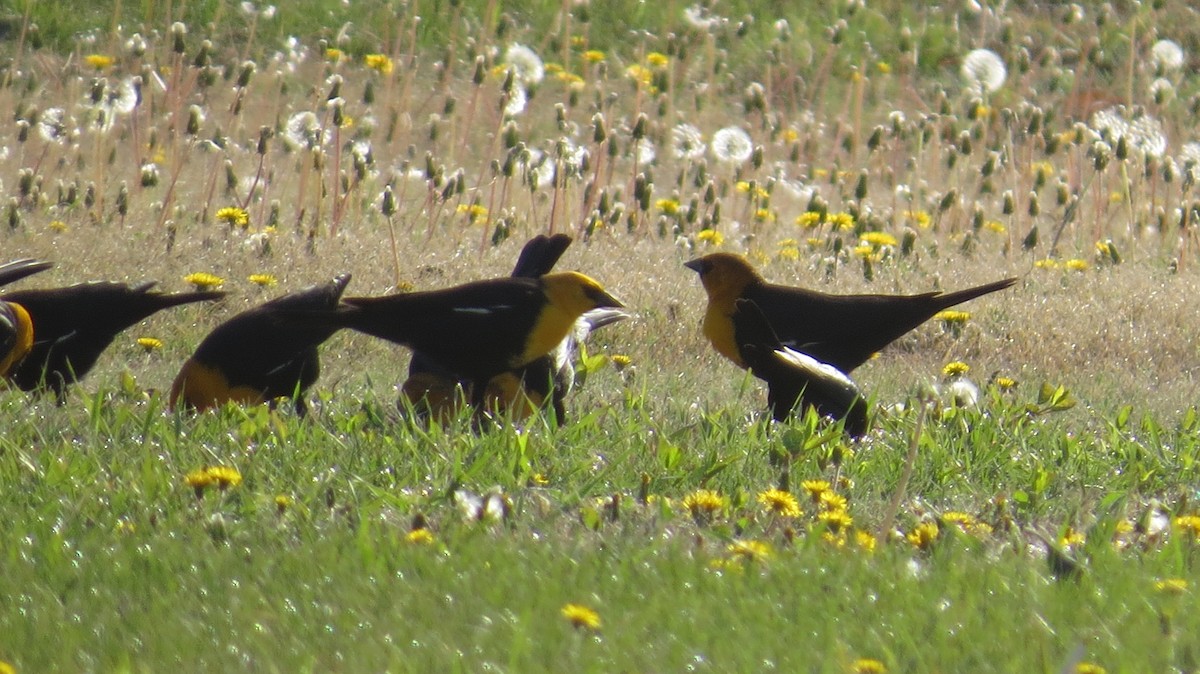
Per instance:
x=509, y=169
x=743, y=27
x=989, y=165
x=599, y=131
x=510, y=82
x=948, y=200
x=178, y=35
x=794, y=154
x=876, y=138
x=448, y=190
x=335, y=87
x=231, y=180
x=480, y=75
x=22, y=131
x=860, y=188
x=641, y=191
x=964, y=143
x=1010, y=203
x=273, y=214
x=639, y=127
x=203, y=55
x=72, y=194
x=1169, y=172
x=149, y=175
x=14, y=213
x=560, y=116
x=977, y=218
x=1062, y=194
x=837, y=31
x=613, y=150
x=89, y=195
x=123, y=199
x=511, y=135
x=1122, y=150
x=908, y=241
x=99, y=87
x=434, y=127
x=1034, y=207
x=716, y=214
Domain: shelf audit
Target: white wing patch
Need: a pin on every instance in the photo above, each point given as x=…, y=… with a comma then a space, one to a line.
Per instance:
x=817, y=368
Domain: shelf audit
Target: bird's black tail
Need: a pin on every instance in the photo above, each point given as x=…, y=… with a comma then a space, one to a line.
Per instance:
x=946, y=300
x=16, y=270
x=540, y=254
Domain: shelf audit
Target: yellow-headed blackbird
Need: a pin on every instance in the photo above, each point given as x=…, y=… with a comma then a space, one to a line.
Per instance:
x=479, y=330
x=73, y=325
x=434, y=390
x=792, y=376
x=261, y=354
x=841, y=330
x=16, y=328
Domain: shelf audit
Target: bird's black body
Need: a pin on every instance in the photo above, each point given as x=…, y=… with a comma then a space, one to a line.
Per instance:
x=263, y=353
x=73, y=325
x=792, y=377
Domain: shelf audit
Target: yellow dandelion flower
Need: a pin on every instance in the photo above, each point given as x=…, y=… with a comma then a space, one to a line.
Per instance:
x=792, y=253
x=955, y=368
x=1071, y=537
x=953, y=317
x=234, y=216
x=476, y=213
x=620, y=361
x=815, y=488
x=667, y=206
x=198, y=479
x=594, y=56
x=780, y=503
x=1047, y=263
x=224, y=476
x=282, y=502
x=149, y=343
x=1005, y=383
x=750, y=551
x=704, y=502
x=808, y=219
x=6, y=668
x=99, y=61
x=831, y=501
x=1188, y=524
x=742, y=186
x=820, y=173
x=263, y=280
x=1103, y=248
x=380, y=63
x=57, y=226
x=1116, y=197
x=836, y=521
x=834, y=539
x=1171, y=586
x=879, y=239
x=1076, y=264
x=961, y=520
x=864, y=540
x=657, y=59
x=790, y=135
x=843, y=221
x=581, y=617
x=921, y=219
x=539, y=480
x=763, y=215
x=866, y=252
x=867, y=666
x=420, y=536
x=995, y=226
x=710, y=236
x=203, y=281
x=924, y=535
x=1089, y=668
x=639, y=74
x=883, y=67
x=123, y=527
x=788, y=243
x=334, y=54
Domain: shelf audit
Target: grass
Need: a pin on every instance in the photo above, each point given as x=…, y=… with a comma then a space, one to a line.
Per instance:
x=1047, y=528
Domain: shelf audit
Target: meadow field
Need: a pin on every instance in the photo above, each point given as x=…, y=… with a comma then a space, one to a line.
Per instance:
x=1026, y=499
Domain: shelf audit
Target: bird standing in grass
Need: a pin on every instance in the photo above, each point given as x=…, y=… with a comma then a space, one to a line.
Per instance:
x=261, y=354
x=841, y=330
x=434, y=390
x=792, y=376
x=16, y=327
x=73, y=325
x=479, y=330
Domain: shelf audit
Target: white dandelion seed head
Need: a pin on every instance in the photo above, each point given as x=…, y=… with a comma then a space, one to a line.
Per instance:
x=646, y=152
x=1162, y=90
x=983, y=70
x=962, y=392
x=526, y=64
x=304, y=131
x=1109, y=124
x=732, y=145
x=1144, y=135
x=687, y=142
x=1167, y=54
x=1189, y=159
x=52, y=125
x=361, y=150
x=124, y=97
x=516, y=102
x=136, y=44
x=700, y=18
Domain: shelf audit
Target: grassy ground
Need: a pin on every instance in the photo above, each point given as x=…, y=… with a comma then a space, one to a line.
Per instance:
x=1049, y=527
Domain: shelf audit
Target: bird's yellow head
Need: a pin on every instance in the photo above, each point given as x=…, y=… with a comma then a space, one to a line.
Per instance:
x=724, y=275
x=574, y=293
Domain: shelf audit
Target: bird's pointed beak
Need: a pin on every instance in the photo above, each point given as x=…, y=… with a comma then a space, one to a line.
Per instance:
x=696, y=265
x=604, y=299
